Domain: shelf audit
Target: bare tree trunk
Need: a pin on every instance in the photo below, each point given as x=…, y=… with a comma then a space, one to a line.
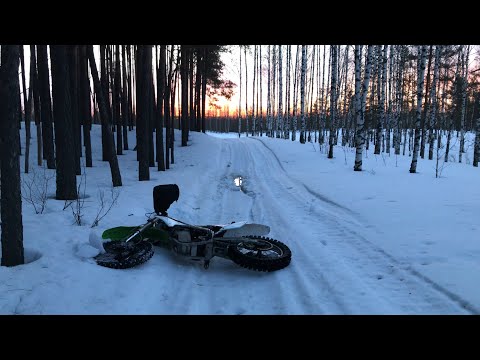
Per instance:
x=345, y=127
x=253, y=87
x=258, y=71
x=198, y=82
x=159, y=114
x=433, y=107
x=261, y=98
x=246, y=91
x=274, y=84
x=390, y=100
x=191, y=120
x=143, y=93
x=125, y=111
x=85, y=105
x=172, y=109
x=184, y=78
x=464, y=97
x=286, y=131
x=333, y=99
x=73, y=88
x=46, y=108
x=114, y=168
x=399, y=101
x=422, y=53
x=10, y=201
x=66, y=179
x=269, y=99
x=302, y=93
x=151, y=112
x=166, y=108
x=451, y=117
x=204, y=87
x=323, y=102
x=280, y=125
x=104, y=84
x=27, y=110
x=381, y=105
x=240, y=94
x=427, y=103
x=36, y=103
x=360, y=105
x=476, y=151
x=129, y=79
x=117, y=100
x=312, y=76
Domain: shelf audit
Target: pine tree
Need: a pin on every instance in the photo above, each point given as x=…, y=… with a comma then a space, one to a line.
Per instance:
x=10, y=200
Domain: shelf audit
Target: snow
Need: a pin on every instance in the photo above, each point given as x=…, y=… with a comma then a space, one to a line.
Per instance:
x=380, y=241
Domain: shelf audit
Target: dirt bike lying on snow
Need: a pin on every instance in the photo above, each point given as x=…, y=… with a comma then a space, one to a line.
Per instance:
x=241, y=242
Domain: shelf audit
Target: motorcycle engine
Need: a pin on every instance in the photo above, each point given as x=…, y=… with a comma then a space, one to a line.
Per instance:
x=184, y=237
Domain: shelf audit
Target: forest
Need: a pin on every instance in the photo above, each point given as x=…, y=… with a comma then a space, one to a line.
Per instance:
x=408, y=100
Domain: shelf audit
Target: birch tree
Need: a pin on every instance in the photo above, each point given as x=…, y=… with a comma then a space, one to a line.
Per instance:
x=360, y=102
x=269, y=103
x=476, y=151
x=261, y=98
x=246, y=91
x=457, y=82
x=381, y=105
x=464, y=97
x=322, y=105
x=422, y=54
x=433, y=107
x=286, y=133
x=274, y=82
x=397, y=135
x=390, y=99
x=295, y=97
x=333, y=100
x=427, y=103
x=253, y=87
x=302, y=93
x=280, y=95
x=240, y=95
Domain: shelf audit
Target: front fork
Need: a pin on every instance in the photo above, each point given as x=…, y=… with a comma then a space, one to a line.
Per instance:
x=142, y=229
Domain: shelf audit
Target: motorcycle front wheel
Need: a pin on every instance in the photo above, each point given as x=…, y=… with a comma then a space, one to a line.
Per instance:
x=260, y=253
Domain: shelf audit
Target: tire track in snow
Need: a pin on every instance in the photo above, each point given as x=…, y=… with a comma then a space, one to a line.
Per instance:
x=306, y=278
x=317, y=195
x=217, y=290
x=257, y=213
x=253, y=291
x=345, y=231
x=192, y=291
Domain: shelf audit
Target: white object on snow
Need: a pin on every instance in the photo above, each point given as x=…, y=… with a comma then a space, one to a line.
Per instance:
x=96, y=241
x=87, y=251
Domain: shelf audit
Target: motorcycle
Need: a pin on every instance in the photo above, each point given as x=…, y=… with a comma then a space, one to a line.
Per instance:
x=241, y=242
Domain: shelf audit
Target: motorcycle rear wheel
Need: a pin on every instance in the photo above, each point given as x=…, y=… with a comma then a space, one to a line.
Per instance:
x=260, y=253
x=122, y=255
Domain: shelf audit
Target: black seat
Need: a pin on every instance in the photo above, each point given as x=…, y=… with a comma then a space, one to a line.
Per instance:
x=164, y=196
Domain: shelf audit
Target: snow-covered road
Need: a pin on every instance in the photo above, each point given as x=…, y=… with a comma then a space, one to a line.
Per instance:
x=335, y=269
x=338, y=265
